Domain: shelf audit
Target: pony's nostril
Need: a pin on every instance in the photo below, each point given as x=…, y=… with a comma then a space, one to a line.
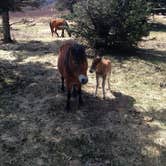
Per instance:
x=84, y=81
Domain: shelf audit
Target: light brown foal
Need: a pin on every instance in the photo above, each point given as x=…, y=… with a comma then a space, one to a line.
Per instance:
x=102, y=68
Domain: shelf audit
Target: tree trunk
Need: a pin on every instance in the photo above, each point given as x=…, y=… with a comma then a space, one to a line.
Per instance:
x=6, y=27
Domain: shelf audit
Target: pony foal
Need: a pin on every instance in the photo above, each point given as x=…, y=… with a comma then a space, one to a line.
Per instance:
x=102, y=67
x=72, y=65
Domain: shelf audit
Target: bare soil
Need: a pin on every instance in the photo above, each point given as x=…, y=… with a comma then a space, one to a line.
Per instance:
x=126, y=129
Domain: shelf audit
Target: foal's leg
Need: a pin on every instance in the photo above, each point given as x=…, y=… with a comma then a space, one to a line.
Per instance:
x=103, y=86
x=97, y=84
x=108, y=80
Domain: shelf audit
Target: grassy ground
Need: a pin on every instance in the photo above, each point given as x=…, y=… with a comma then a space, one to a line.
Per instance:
x=126, y=129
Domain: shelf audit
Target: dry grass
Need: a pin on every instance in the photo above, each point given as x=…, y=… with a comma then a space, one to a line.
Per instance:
x=126, y=129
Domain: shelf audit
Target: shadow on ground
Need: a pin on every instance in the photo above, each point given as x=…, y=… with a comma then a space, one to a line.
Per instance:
x=35, y=130
x=158, y=27
x=22, y=50
x=150, y=55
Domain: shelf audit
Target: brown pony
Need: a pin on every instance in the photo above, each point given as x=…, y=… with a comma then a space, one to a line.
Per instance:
x=102, y=68
x=72, y=65
x=59, y=24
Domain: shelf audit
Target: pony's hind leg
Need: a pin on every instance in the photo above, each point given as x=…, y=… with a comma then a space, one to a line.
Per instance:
x=74, y=90
x=108, y=82
x=56, y=32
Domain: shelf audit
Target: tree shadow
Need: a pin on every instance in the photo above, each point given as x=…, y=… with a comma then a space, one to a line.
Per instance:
x=35, y=129
x=152, y=55
x=15, y=77
x=23, y=50
x=158, y=27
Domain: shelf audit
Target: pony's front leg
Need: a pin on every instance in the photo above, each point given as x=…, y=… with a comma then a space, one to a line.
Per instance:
x=69, y=86
x=80, y=101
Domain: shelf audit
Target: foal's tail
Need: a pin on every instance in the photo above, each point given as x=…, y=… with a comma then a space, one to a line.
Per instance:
x=52, y=29
x=67, y=28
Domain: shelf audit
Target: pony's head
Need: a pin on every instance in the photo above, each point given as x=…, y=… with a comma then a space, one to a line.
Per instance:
x=77, y=63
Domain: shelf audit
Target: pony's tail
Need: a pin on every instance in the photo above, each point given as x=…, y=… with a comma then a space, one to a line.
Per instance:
x=51, y=28
x=67, y=28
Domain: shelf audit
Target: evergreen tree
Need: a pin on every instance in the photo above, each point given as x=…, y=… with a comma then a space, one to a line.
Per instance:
x=158, y=3
x=157, y=6
x=12, y=5
x=111, y=23
x=65, y=4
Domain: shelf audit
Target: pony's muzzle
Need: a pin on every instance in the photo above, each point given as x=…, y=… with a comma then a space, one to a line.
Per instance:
x=83, y=79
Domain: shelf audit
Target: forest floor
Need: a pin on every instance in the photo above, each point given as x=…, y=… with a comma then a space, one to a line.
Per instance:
x=126, y=129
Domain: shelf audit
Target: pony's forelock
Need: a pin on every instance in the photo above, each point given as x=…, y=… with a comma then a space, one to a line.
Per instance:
x=78, y=52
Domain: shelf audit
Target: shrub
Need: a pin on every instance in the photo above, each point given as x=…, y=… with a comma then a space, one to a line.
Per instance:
x=111, y=23
x=65, y=4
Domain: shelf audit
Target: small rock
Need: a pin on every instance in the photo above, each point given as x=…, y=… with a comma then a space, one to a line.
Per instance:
x=148, y=119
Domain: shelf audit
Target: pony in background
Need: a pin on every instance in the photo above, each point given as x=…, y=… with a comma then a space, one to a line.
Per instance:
x=59, y=24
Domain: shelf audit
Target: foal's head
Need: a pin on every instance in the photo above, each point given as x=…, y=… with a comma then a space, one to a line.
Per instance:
x=95, y=62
